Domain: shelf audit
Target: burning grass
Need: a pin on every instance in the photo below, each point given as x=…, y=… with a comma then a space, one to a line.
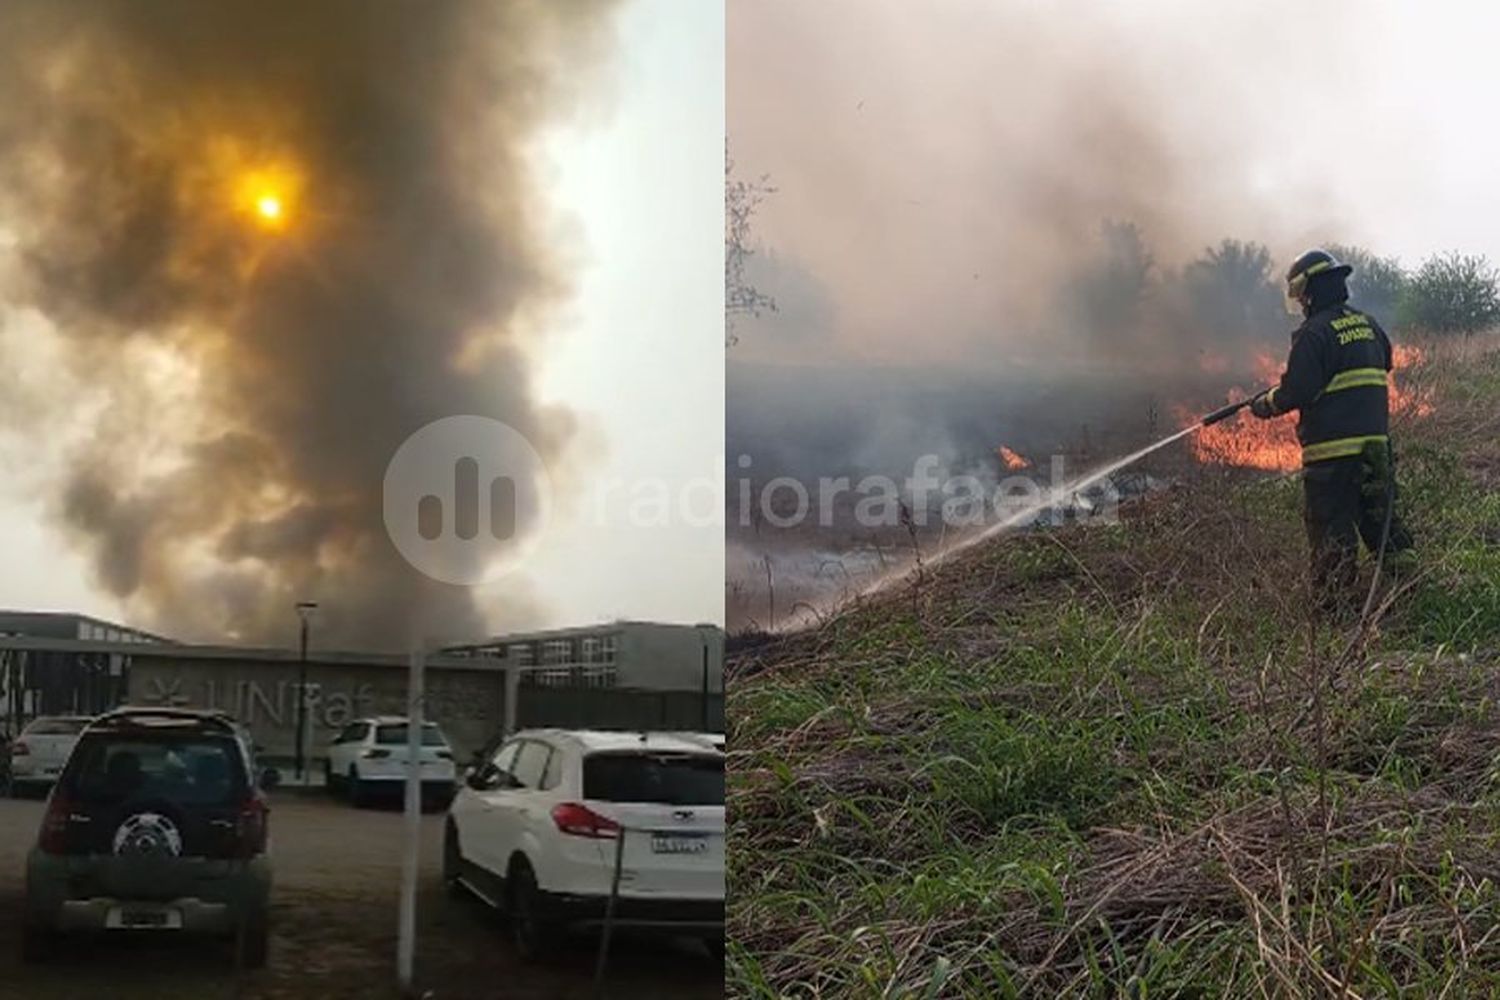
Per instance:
x=1250, y=443
x=1012, y=460
x=1123, y=762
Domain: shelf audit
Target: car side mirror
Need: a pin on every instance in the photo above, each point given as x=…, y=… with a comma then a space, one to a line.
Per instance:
x=270, y=778
x=482, y=779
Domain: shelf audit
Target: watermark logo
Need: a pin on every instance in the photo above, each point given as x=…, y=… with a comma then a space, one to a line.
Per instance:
x=462, y=495
x=931, y=494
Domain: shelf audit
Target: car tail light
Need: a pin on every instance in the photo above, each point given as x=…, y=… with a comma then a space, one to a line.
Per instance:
x=581, y=821
x=375, y=754
x=54, y=836
x=251, y=826
x=19, y=749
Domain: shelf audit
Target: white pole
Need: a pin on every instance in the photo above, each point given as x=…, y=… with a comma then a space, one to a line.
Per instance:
x=512, y=699
x=406, y=941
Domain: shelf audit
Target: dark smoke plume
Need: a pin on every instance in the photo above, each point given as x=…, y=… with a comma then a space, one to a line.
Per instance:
x=273, y=239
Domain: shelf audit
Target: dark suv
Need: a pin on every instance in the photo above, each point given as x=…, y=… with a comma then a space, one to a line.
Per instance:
x=156, y=825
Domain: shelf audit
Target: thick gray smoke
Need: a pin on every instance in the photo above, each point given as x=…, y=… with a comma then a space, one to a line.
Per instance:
x=969, y=183
x=270, y=241
x=1020, y=195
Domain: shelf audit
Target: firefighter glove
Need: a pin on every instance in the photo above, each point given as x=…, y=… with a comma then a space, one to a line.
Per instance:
x=1261, y=406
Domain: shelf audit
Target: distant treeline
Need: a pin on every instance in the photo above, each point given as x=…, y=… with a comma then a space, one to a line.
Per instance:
x=1234, y=290
x=1450, y=293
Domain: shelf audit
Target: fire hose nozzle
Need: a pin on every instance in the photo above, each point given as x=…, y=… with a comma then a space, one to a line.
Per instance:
x=1225, y=412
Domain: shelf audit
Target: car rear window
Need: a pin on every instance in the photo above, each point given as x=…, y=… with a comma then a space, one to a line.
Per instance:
x=189, y=769
x=668, y=779
x=55, y=727
x=432, y=736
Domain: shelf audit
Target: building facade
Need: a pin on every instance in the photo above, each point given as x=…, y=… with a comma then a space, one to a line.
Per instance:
x=467, y=698
x=42, y=681
x=644, y=656
x=624, y=675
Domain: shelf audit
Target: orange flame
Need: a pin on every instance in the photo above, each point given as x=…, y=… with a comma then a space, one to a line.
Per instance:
x=1249, y=443
x=1011, y=460
x=1411, y=399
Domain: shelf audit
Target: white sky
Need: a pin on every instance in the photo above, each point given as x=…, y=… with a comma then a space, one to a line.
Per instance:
x=639, y=358
x=643, y=364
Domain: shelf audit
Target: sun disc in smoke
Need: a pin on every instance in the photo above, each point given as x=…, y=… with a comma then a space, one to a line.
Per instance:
x=266, y=194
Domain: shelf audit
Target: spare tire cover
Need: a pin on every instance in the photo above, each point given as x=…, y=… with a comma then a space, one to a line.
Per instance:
x=148, y=834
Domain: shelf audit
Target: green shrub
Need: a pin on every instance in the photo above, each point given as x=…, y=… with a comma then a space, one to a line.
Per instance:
x=1452, y=293
x=1377, y=284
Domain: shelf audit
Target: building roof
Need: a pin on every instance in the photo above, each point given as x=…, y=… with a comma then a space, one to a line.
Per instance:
x=64, y=624
x=176, y=650
x=570, y=631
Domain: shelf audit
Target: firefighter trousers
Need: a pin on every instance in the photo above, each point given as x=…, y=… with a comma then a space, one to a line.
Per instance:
x=1345, y=500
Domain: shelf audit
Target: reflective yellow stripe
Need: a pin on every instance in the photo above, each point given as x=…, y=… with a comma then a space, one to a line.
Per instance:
x=1338, y=448
x=1271, y=398
x=1321, y=265
x=1354, y=378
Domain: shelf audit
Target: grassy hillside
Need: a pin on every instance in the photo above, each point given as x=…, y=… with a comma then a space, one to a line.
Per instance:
x=1125, y=762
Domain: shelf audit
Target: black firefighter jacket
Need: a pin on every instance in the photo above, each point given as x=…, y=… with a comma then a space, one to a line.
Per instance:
x=1336, y=376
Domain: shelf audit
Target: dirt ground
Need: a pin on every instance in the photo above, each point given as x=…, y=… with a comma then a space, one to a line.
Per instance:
x=337, y=873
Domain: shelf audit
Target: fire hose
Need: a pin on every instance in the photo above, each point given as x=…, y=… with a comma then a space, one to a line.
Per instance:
x=1230, y=409
x=1225, y=412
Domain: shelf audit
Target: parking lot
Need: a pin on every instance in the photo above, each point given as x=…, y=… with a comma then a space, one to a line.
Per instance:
x=337, y=873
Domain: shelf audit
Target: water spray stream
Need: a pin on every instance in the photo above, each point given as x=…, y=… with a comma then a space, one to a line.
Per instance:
x=1053, y=498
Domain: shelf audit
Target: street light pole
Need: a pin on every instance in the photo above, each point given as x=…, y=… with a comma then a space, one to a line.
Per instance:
x=305, y=611
x=703, y=633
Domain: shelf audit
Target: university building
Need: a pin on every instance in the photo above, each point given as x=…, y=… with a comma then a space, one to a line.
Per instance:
x=60, y=681
x=621, y=675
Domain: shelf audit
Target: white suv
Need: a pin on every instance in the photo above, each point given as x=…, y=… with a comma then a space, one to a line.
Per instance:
x=369, y=756
x=533, y=830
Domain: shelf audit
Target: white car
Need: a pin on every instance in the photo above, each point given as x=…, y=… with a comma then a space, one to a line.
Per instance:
x=37, y=755
x=370, y=756
x=535, y=827
x=715, y=740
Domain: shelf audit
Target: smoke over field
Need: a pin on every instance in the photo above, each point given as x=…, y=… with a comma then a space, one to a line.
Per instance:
x=1001, y=226
x=246, y=249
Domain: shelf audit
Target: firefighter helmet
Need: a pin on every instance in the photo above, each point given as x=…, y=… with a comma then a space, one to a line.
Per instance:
x=1310, y=263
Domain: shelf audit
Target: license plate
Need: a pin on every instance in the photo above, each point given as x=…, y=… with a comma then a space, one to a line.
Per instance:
x=664, y=843
x=143, y=918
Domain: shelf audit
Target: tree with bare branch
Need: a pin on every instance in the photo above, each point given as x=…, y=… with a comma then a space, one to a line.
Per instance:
x=741, y=200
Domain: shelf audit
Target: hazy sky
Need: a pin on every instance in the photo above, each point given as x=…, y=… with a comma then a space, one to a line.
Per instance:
x=643, y=364
x=940, y=158
x=636, y=185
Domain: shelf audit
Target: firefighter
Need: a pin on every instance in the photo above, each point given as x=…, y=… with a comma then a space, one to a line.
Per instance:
x=1336, y=378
